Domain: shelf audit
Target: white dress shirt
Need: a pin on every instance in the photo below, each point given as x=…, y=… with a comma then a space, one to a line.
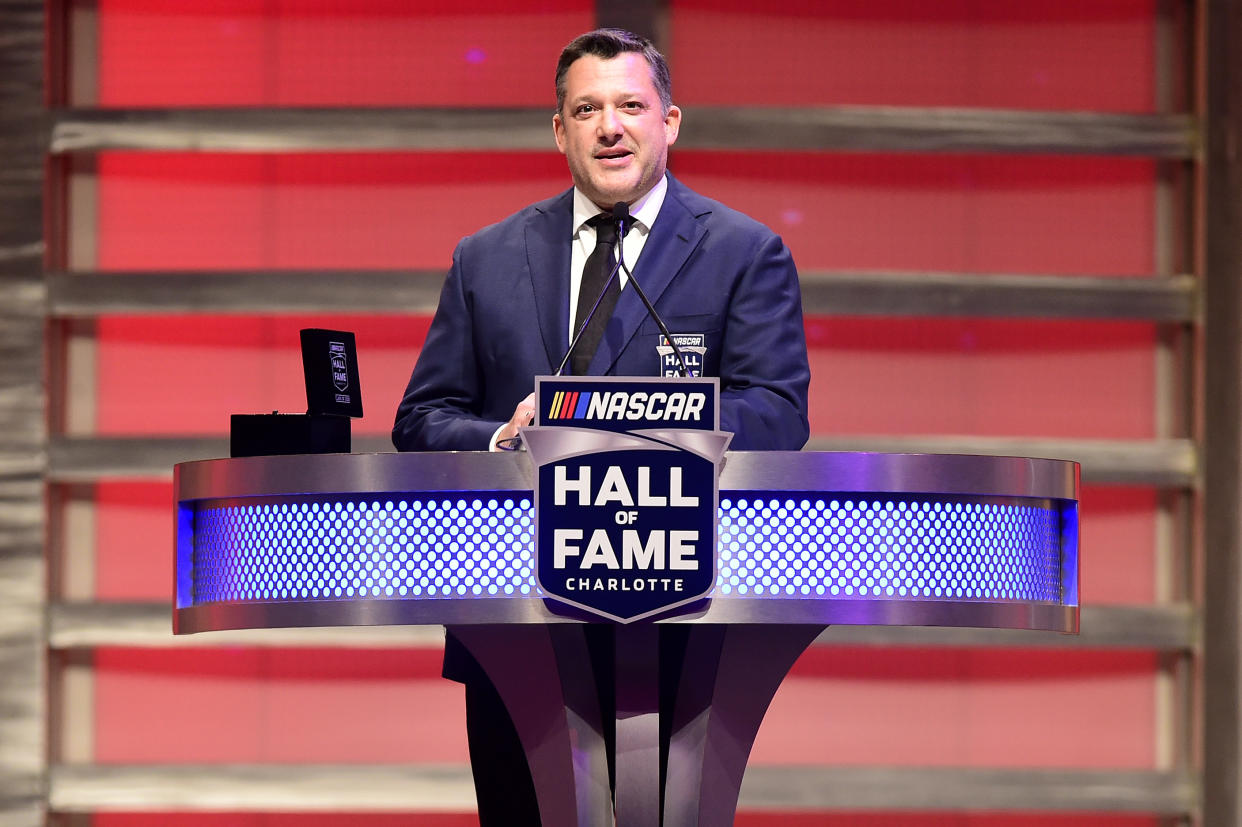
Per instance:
x=643, y=211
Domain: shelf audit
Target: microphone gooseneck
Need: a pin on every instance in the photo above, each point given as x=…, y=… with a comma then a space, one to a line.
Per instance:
x=621, y=212
x=560, y=369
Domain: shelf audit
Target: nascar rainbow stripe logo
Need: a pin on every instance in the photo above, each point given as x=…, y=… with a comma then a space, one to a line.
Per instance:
x=569, y=404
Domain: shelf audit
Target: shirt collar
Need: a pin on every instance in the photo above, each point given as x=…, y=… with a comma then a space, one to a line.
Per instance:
x=643, y=211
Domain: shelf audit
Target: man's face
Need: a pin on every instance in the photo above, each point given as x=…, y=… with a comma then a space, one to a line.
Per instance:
x=612, y=129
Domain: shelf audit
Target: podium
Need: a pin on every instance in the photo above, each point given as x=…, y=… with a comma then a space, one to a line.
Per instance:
x=804, y=540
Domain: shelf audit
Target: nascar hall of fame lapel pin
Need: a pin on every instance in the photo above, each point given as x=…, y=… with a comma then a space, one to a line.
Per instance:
x=626, y=474
x=693, y=347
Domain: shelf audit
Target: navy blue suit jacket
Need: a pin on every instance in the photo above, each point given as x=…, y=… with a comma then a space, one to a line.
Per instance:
x=503, y=318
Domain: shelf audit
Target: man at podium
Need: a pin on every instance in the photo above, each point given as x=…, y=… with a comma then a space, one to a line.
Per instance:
x=725, y=285
x=542, y=293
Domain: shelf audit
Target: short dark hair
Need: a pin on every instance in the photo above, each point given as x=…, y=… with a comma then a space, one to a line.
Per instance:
x=607, y=44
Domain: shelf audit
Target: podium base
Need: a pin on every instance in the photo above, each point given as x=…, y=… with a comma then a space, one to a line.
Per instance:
x=678, y=765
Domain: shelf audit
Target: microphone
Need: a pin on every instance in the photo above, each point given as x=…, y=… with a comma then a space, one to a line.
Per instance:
x=621, y=212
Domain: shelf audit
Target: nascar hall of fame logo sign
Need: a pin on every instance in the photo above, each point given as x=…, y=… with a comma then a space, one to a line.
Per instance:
x=340, y=369
x=626, y=492
x=693, y=347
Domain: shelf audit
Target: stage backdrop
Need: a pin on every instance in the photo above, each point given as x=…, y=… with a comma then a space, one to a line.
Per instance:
x=849, y=704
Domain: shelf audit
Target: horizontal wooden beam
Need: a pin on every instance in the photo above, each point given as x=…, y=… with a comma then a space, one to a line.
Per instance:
x=1173, y=299
x=149, y=626
x=1172, y=628
x=447, y=788
x=244, y=292
x=261, y=788
x=832, y=293
x=970, y=790
x=1162, y=463
x=829, y=128
x=1159, y=463
x=914, y=129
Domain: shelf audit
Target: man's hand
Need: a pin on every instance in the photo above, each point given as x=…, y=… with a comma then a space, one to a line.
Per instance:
x=523, y=415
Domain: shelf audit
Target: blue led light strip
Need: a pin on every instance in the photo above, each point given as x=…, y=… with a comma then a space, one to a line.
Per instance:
x=885, y=547
x=796, y=546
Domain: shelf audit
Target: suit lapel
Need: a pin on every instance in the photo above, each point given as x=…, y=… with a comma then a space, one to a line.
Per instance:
x=676, y=234
x=548, y=239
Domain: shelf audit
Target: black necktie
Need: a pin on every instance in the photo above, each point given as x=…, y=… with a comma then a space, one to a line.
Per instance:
x=594, y=276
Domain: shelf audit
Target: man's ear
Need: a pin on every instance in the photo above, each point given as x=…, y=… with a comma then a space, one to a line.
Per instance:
x=558, y=131
x=672, y=124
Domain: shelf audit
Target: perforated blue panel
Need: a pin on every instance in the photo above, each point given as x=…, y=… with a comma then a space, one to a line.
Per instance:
x=366, y=548
x=870, y=547
x=461, y=546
